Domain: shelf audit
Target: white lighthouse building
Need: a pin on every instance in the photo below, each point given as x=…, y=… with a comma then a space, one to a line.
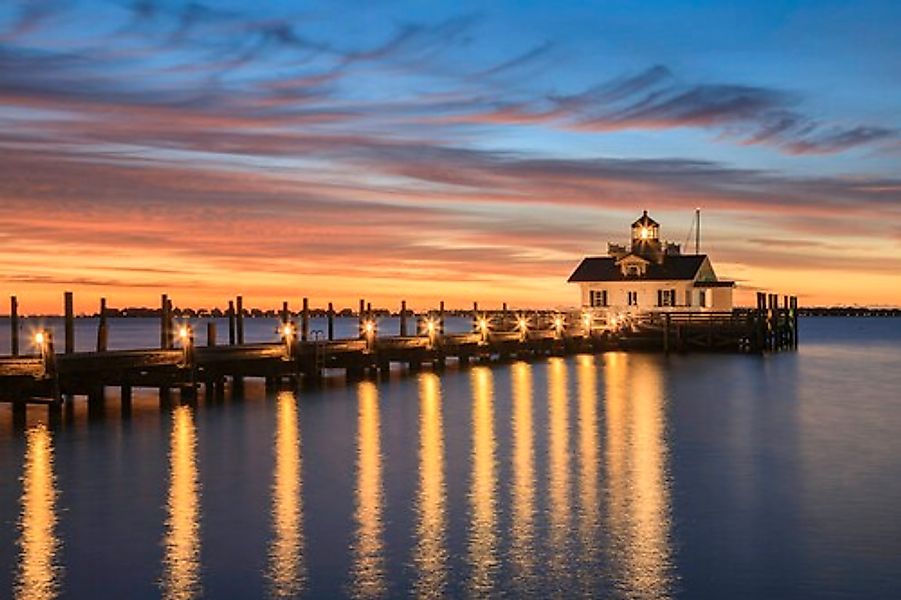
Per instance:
x=650, y=276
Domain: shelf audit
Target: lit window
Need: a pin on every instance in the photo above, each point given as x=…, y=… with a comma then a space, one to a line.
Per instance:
x=632, y=298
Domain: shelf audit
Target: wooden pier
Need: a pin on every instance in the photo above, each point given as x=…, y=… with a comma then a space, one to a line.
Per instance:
x=178, y=364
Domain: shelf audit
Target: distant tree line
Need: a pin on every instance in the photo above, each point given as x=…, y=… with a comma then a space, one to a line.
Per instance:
x=847, y=311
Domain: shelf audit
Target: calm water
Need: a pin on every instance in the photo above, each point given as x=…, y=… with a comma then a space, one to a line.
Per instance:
x=631, y=476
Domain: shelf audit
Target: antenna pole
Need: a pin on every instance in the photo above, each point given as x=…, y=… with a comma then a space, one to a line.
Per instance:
x=697, y=231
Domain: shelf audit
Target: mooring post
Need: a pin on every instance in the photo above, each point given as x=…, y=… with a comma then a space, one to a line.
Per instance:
x=14, y=325
x=171, y=325
x=504, y=317
x=164, y=321
x=210, y=334
x=403, y=318
x=231, y=323
x=284, y=314
x=239, y=319
x=70, y=322
x=102, y=328
x=441, y=318
x=305, y=320
x=361, y=316
x=331, y=321
x=795, y=322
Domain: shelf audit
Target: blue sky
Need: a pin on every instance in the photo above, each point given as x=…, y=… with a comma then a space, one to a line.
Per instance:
x=503, y=139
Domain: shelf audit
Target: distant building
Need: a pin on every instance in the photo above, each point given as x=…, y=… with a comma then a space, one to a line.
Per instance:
x=650, y=276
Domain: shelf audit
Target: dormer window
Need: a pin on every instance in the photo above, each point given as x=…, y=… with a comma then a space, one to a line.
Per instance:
x=633, y=271
x=632, y=266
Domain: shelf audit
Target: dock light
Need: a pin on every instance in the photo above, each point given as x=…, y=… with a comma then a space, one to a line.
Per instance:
x=183, y=333
x=483, y=325
x=369, y=327
x=287, y=331
x=430, y=326
x=39, y=339
x=558, y=324
x=586, y=321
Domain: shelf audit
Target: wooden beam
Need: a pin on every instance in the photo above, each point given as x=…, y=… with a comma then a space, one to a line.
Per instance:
x=14, y=325
x=102, y=328
x=70, y=322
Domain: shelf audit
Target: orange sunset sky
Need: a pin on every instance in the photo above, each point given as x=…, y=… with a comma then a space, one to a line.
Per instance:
x=434, y=154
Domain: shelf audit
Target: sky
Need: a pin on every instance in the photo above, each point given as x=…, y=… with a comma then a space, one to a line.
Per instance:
x=453, y=151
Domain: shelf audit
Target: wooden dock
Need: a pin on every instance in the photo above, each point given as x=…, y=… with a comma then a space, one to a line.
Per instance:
x=178, y=364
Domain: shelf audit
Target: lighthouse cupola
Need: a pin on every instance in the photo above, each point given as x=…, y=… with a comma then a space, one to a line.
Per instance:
x=646, y=238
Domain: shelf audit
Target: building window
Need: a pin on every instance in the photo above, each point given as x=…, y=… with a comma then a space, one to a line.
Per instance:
x=666, y=297
x=687, y=297
x=632, y=298
x=597, y=298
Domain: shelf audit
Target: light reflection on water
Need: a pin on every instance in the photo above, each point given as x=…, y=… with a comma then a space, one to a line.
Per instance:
x=39, y=572
x=559, y=514
x=483, y=509
x=522, y=549
x=430, y=554
x=181, y=560
x=369, y=568
x=638, y=496
x=286, y=552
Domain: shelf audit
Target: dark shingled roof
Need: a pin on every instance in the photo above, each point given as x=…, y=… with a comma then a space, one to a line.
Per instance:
x=604, y=268
x=645, y=221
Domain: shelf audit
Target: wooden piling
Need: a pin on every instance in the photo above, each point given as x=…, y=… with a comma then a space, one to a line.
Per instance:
x=503, y=326
x=211, y=334
x=794, y=317
x=239, y=319
x=361, y=316
x=305, y=320
x=70, y=322
x=441, y=318
x=403, y=318
x=102, y=328
x=14, y=325
x=231, y=323
x=331, y=321
x=164, y=321
x=284, y=313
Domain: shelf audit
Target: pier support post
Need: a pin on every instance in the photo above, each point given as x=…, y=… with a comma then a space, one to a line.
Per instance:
x=125, y=395
x=14, y=325
x=794, y=318
x=164, y=321
x=305, y=320
x=102, y=328
x=231, y=323
x=210, y=334
x=239, y=320
x=284, y=313
x=331, y=321
x=70, y=322
x=441, y=318
x=504, y=317
x=403, y=318
x=361, y=316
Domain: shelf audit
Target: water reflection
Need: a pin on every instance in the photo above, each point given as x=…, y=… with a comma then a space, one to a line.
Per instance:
x=523, y=526
x=286, y=559
x=430, y=554
x=559, y=480
x=638, y=502
x=483, y=517
x=181, y=562
x=589, y=505
x=39, y=574
x=368, y=568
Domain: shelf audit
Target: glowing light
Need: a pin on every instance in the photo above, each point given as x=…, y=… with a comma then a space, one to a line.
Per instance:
x=430, y=326
x=183, y=332
x=369, y=327
x=645, y=233
x=586, y=319
x=483, y=325
x=523, y=324
x=558, y=322
x=288, y=330
x=40, y=338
